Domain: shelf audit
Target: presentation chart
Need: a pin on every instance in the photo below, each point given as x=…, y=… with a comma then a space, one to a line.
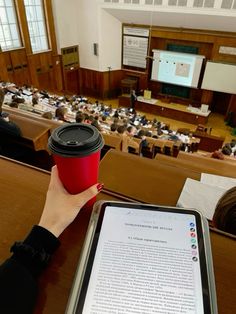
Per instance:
x=135, y=47
x=176, y=68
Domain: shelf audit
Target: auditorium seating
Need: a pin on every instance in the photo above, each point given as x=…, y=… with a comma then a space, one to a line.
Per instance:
x=207, y=164
x=132, y=176
x=23, y=194
x=32, y=146
x=33, y=116
x=208, y=142
x=110, y=141
x=202, y=166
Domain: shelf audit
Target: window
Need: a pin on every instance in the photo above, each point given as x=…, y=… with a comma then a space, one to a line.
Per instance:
x=36, y=24
x=9, y=32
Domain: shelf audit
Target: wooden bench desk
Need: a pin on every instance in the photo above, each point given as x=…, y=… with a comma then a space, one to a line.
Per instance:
x=193, y=165
x=34, y=134
x=208, y=142
x=216, y=166
x=23, y=190
x=143, y=179
x=112, y=141
x=30, y=115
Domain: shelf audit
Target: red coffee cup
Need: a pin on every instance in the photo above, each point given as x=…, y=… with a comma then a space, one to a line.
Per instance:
x=76, y=150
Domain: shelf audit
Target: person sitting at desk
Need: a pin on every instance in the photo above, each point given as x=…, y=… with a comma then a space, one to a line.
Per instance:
x=225, y=212
x=7, y=127
x=60, y=114
x=127, y=141
x=19, y=273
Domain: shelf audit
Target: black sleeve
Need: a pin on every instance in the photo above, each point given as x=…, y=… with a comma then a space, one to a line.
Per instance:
x=19, y=273
x=9, y=128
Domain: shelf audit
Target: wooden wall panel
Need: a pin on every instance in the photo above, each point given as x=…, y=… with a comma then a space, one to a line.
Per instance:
x=44, y=71
x=57, y=72
x=100, y=84
x=223, y=41
x=91, y=82
x=3, y=67
x=20, y=67
x=34, y=67
x=141, y=76
x=111, y=83
x=9, y=66
x=72, y=81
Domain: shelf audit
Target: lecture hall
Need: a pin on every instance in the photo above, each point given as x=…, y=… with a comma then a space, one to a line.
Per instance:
x=154, y=80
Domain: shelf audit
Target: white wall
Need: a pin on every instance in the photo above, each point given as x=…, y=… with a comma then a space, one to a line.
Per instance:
x=87, y=33
x=65, y=20
x=83, y=23
x=110, y=41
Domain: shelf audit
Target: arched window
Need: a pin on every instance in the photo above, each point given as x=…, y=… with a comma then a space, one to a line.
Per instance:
x=9, y=32
x=36, y=24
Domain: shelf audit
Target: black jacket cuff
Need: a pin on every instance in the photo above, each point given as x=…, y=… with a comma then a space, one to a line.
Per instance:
x=35, y=251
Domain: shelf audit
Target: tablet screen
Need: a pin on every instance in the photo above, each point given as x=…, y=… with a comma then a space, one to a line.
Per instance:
x=147, y=261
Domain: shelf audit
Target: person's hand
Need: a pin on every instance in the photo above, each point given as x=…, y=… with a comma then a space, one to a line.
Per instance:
x=61, y=208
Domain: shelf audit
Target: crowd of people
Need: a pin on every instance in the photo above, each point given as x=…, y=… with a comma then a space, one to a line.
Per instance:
x=19, y=273
x=124, y=122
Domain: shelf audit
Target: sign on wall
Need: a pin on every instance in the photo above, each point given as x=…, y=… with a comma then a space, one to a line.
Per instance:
x=135, y=47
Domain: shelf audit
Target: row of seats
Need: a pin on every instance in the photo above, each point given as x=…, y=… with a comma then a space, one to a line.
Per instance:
x=154, y=147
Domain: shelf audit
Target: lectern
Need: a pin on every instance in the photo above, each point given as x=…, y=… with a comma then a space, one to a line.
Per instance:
x=128, y=84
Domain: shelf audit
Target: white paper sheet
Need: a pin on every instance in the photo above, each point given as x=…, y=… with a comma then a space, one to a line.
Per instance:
x=219, y=181
x=200, y=196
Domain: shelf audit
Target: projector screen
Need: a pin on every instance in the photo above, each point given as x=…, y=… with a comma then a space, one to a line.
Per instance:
x=220, y=77
x=176, y=68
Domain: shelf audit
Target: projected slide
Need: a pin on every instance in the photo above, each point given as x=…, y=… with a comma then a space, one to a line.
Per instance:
x=176, y=68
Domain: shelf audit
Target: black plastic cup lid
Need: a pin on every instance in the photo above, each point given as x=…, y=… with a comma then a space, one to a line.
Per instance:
x=75, y=140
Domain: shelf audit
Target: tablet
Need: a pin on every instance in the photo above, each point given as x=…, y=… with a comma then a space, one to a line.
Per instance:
x=140, y=258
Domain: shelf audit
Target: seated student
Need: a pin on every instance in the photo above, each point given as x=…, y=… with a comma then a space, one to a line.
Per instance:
x=225, y=213
x=114, y=127
x=60, y=114
x=144, y=144
x=127, y=141
x=80, y=117
x=96, y=124
x=144, y=120
x=131, y=130
x=6, y=126
x=217, y=154
x=116, y=114
x=226, y=149
x=19, y=274
x=18, y=98
x=35, y=98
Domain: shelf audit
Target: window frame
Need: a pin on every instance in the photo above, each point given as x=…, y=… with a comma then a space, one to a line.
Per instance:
x=23, y=29
x=46, y=28
x=18, y=28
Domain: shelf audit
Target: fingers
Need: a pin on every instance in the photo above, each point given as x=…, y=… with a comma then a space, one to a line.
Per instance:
x=55, y=181
x=88, y=194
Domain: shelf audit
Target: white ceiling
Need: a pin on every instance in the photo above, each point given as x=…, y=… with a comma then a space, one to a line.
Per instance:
x=175, y=19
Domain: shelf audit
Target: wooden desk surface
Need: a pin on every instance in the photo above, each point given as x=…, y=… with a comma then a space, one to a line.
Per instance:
x=52, y=124
x=194, y=165
x=217, y=166
x=35, y=132
x=23, y=191
x=143, y=179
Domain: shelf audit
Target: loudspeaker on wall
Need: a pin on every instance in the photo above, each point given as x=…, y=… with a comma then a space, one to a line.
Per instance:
x=95, y=49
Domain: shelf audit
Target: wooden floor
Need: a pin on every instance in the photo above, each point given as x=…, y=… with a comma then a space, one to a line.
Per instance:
x=215, y=121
